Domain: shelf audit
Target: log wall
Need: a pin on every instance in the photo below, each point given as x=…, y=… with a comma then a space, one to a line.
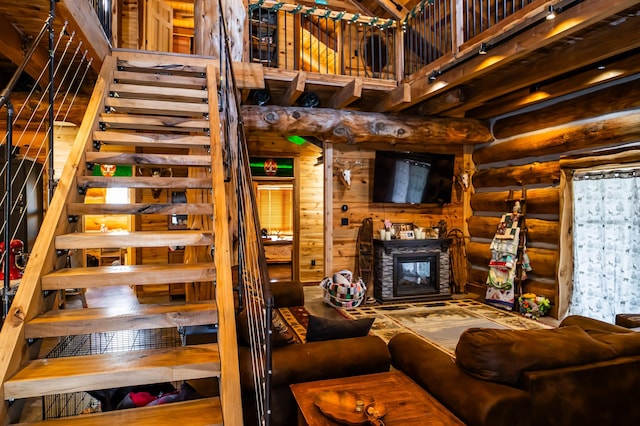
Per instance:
x=359, y=207
x=527, y=153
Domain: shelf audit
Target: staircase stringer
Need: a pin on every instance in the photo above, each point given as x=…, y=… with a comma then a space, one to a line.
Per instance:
x=230, y=394
x=30, y=300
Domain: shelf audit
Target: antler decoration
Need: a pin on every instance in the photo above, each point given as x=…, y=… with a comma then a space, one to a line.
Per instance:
x=344, y=171
x=155, y=172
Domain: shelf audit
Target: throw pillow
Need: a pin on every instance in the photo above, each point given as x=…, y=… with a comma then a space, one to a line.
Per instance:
x=330, y=329
x=281, y=335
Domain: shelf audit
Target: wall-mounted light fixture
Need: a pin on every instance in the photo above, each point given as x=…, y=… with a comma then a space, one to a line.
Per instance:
x=484, y=47
x=551, y=13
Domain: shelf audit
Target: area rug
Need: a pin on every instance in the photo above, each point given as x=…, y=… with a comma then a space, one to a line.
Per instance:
x=440, y=323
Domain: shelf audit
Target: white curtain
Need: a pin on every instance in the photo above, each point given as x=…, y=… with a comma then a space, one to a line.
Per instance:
x=606, y=244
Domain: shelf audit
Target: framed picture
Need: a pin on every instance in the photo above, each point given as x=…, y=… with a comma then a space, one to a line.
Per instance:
x=399, y=227
x=407, y=235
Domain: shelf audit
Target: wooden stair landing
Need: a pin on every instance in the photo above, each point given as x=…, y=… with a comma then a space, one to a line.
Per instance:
x=199, y=412
x=93, y=372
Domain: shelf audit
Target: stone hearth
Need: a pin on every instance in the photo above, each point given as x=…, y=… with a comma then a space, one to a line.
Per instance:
x=432, y=283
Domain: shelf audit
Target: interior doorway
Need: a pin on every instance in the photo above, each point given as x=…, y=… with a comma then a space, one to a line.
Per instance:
x=275, y=204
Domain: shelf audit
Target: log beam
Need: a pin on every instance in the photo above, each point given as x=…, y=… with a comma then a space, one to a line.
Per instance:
x=535, y=173
x=358, y=128
x=613, y=129
x=539, y=201
x=621, y=97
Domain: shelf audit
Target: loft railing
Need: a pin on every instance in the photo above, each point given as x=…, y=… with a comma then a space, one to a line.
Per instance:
x=451, y=29
x=305, y=38
x=104, y=14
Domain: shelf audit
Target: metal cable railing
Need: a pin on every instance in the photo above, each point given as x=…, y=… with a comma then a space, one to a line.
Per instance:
x=33, y=107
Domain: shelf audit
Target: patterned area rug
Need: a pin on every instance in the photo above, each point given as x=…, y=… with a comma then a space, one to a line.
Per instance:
x=439, y=323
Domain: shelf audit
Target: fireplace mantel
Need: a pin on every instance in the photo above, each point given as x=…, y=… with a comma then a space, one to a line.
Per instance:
x=389, y=245
x=422, y=279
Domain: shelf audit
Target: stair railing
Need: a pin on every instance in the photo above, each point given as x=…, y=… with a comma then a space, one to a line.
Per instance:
x=254, y=292
x=34, y=106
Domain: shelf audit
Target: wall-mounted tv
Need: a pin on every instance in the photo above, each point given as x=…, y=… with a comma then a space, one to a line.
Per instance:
x=412, y=178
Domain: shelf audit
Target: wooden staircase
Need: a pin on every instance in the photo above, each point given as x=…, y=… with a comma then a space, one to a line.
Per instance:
x=151, y=110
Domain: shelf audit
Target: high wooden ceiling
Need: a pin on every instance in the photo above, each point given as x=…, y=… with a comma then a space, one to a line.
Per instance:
x=592, y=45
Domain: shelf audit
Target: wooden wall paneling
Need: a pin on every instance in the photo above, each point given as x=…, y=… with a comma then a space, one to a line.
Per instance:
x=129, y=24
x=310, y=181
x=358, y=201
x=287, y=33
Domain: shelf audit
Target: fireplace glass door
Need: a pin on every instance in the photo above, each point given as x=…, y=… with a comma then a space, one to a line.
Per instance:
x=415, y=274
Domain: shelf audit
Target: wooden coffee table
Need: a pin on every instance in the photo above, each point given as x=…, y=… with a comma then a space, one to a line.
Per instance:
x=407, y=403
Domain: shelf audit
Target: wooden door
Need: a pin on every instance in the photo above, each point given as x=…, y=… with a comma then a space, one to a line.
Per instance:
x=158, y=24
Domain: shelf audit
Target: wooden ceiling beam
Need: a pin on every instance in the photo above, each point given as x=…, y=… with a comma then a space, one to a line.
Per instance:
x=545, y=91
x=347, y=95
x=585, y=51
x=397, y=10
x=295, y=89
x=12, y=43
x=519, y=46
x=363, y=128
x=621, y=97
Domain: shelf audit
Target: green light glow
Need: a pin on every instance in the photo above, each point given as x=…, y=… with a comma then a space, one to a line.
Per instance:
x=296, y=139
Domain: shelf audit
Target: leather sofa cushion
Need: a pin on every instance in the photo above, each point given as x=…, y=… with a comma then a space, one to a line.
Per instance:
x=626, y=344
x=502, y=355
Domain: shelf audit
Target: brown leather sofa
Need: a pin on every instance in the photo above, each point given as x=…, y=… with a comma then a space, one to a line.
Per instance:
x=306, y=362
x=585, y=372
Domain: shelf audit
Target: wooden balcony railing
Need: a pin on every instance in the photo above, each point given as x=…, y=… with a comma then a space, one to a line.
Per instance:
x=306, y=38
x=320, y=40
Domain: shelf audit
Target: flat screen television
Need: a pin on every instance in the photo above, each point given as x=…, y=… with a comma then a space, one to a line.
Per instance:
x=412, y=178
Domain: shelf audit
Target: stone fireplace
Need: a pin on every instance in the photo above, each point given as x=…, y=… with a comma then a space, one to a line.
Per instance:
x=411, y=270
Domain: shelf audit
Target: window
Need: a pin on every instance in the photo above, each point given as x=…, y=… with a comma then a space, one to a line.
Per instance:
x=606, y=243
x=275, y=208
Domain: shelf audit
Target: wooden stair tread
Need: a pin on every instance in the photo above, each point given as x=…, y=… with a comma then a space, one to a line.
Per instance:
x=154, y=122
x=84, y=240
x=65, y=322
x=159, y=139
x=152, y=66
x=159, y=80
x=143, y=182
x=198, y=412
x=140, y=208
x=92, y=372
x=135, y=91
x=101, y=276
x=182, y=109
x=139, y=159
